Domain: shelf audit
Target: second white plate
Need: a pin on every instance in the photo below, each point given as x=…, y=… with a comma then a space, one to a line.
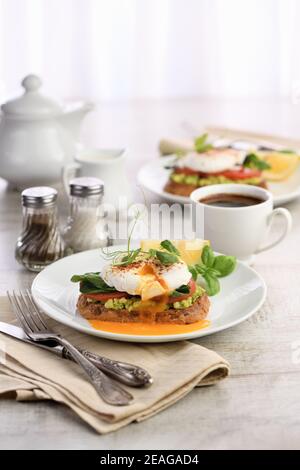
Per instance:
x=153, y=176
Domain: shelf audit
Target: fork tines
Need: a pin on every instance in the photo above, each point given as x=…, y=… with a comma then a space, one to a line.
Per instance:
x=26, y=311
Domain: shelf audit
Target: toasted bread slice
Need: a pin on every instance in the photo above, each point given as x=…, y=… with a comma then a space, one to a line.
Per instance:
x=96, y=311
x=181, y=189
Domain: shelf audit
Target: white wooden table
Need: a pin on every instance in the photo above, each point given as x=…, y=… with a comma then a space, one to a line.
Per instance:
x=259, y=405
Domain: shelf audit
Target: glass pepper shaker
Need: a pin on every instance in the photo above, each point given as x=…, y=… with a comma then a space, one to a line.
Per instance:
x=87, y=226
x=40, y=242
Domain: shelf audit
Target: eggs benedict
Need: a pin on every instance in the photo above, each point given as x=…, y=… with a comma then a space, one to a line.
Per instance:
x=153, y=284
x=208, y=165
x=150, y=287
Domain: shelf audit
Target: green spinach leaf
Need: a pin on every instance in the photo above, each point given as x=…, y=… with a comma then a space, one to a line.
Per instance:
x=92, y=283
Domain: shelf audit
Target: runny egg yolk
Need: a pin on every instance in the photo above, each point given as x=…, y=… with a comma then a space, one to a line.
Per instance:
x=151, y=284
x=154, y=292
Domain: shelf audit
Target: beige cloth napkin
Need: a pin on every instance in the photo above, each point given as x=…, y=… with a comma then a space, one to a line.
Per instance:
x=29, y=373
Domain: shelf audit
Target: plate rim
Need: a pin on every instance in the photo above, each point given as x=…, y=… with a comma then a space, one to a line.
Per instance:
x=69, y=321
x=282, y=199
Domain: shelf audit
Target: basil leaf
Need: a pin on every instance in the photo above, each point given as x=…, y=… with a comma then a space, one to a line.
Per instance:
x=212, y=283
x=200, y=268
x=208, y=256
x=225, y=265
x=212, y=268
x=204, y=148
x=166, y=258
x=253, y=161
x=201, y=145
x=214, y=272
x=201, y=139
x=194, y=272
x=167, y=245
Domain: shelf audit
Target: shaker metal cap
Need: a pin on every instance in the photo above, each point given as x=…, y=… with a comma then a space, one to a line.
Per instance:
x=86, y=186
x=39, y=196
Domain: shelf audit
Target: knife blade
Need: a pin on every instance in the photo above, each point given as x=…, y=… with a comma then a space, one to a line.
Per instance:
x=17, y=333
x=125, y=373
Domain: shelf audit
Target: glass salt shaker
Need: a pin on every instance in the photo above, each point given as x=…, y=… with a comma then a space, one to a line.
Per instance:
x=40, y=242
x=87, y=226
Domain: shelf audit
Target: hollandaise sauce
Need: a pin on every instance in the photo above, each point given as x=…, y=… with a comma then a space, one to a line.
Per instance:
x=148, y=329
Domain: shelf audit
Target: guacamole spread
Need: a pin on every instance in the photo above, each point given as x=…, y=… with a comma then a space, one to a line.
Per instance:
x=133, y=303
x=198, y=181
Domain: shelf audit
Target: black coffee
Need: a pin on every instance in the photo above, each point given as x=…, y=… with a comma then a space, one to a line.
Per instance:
x=231, y=200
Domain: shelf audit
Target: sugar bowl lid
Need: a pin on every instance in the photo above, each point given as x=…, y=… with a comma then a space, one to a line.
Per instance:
x=32, y=104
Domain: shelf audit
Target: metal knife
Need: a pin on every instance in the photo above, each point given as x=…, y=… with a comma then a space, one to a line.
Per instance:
x=125, y=373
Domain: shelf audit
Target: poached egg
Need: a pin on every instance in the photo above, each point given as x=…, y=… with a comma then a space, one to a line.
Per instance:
x=212, y=161
x=147, y=279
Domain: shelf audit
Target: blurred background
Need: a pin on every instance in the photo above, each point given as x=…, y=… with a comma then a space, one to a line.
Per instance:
x=112, y=50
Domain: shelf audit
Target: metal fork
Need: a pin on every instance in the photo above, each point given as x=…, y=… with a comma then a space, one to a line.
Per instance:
x=35, y=328
x=123, y=372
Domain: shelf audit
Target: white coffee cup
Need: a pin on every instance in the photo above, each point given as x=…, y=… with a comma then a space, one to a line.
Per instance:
x=239, y=231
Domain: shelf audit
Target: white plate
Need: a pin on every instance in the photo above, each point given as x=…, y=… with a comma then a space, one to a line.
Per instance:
x=242, y=294
x=153, y=176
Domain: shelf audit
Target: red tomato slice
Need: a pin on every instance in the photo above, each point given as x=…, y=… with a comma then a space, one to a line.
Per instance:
x=192, y=286
x=186, y=171
x=241, y=174
x=107, y=296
